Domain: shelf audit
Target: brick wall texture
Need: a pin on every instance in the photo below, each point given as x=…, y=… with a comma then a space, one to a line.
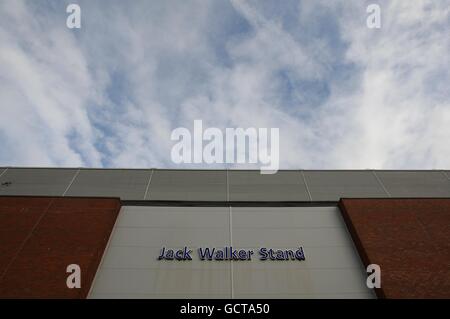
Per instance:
x=41, y=236
x=408, y=238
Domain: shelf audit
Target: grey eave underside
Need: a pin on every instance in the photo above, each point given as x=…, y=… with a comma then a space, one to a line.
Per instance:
x=223, y=185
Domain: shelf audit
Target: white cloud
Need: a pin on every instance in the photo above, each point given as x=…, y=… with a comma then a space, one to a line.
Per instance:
x=109, y=94
x=45, y=88
x=400, y=112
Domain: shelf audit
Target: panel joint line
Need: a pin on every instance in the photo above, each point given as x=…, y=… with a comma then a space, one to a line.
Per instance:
x=306, y=185
x=228, y=187
x=231, y=245
x=4, y=172
x=148, y=184
x=71, y=182
x=381, y=183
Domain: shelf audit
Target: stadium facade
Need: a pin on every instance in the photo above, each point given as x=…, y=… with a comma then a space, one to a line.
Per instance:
x=151, y=233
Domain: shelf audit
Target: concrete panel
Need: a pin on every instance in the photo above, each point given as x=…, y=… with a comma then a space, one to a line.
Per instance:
x=35, y=181
x=125, y=184
x=136, y=257
x=272, y=282
x=172, y=226
x=292, y=217
x=130, y=268
x=174, y=237
x=316, y=257
x=333, y=185
x=415, y=183
x=194, y=185
x=447, y=173
x=253, y=186
x=169, y=217
x=331, y=267
x=163, y=282
x=282, y=237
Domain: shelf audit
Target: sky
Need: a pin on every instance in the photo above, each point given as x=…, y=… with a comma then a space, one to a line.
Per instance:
x=110, y=93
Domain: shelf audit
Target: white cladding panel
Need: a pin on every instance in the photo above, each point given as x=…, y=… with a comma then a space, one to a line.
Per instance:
x=130, y=268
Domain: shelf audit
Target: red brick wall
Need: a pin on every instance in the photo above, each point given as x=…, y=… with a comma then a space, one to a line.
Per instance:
x=41, y=236
x=408, y=238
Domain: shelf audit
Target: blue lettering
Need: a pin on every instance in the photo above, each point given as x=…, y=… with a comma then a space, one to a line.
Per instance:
x=263, y=253
x=206, y=253
x=161, y=255
x=271, y=256
x=299, y=254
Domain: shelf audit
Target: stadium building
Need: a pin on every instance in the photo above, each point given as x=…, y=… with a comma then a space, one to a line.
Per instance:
x=151, y=233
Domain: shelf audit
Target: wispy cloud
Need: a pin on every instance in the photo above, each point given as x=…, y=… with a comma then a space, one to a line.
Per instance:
x=109, y=94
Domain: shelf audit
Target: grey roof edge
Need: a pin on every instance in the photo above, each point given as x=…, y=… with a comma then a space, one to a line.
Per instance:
x=75, y=168
x=232, y=170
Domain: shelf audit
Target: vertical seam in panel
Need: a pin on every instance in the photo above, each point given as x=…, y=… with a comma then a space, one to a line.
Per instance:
x=231, y=245
x=148, y=184
x=228, y=187
x=381, y=183
x=306, y=184
x=71, y=182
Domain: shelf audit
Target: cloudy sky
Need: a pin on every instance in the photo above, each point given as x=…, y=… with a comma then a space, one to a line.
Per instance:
x=110, y=94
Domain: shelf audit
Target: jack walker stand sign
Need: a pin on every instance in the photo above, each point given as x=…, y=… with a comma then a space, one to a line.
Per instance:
x=229, y=253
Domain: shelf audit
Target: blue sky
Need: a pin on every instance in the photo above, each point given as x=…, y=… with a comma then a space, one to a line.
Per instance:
x=110, y=94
